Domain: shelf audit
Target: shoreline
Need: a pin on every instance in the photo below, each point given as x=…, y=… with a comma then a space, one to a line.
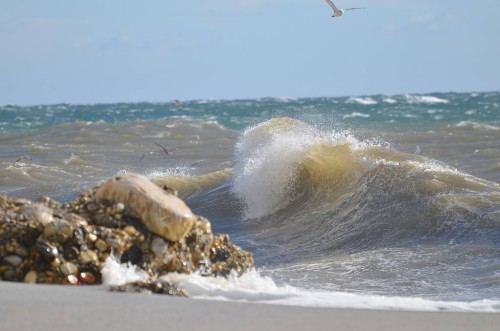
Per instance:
x=80, y=308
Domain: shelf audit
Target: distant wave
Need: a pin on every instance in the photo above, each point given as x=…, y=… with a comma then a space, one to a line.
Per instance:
x=362, y=101
x=356, y=114
x=188, y=186
x=389, y=100
x=476, y=126
x=425, y=99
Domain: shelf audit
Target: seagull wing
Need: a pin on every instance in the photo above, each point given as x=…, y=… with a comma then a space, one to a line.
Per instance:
x=354, y=8
x=335, y=9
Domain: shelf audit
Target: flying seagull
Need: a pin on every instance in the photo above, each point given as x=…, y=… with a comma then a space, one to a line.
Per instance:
x=338, y=12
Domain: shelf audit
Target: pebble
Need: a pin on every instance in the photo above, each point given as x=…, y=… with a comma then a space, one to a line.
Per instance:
x=30, y=277
x=158, y=246
x=39, y=212
x=114, y=242
x=58, y=227
x=71, y=280
x=88, y=256
x=68, y=268
x=46, y=250
x=55, y=263
x=130, y=230
x=92, y=207
x=13, y=260
x=21, y=251
x=91, y=237
x=101, y=245
x=86, y=278
x=119, y=207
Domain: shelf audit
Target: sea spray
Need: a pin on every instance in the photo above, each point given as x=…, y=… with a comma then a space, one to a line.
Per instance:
x=115, y=273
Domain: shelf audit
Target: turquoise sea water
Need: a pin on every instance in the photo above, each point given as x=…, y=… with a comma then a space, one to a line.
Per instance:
x=373, y=195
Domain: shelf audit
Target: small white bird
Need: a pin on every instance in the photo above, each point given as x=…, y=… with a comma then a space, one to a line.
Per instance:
x=338, y=12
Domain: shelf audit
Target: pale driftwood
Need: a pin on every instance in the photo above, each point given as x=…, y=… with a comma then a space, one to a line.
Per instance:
x=162, y=213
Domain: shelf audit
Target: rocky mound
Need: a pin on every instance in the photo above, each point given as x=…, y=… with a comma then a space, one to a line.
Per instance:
x=128, y=217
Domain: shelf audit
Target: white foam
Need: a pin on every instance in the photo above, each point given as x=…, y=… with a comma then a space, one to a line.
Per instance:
x=170, y=172
x=389, y=100
x=425, y=99
x=252, y=287
x=116, y=274
x=71, y=159
x=255, y=288
x=476, y=125
x=265, y=167
x=356, y=114
x=362, y=101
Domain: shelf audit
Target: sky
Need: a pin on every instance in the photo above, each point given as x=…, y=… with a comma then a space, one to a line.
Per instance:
x=102, y=51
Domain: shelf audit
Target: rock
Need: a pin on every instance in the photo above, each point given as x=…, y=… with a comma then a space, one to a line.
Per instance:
x=101, y=245
x=162, y=213
x=58, y=227
x=120, y=207
x=39, y=212
x=13, y=260
x=158, y=246
x=71, y=280
x=68, y=268
x=88, y=256
x=86, y=278
x=46, y=250
x=30, y=277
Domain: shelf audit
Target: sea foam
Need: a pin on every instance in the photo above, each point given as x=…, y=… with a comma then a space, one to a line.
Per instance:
x=252, y=287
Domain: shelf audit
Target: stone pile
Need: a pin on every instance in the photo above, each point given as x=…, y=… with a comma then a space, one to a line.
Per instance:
x=128, y=217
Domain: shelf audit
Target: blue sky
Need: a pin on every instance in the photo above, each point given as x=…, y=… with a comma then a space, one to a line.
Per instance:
x=123, y=51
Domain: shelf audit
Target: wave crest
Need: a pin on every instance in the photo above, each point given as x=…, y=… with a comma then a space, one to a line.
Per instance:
x=358, y=193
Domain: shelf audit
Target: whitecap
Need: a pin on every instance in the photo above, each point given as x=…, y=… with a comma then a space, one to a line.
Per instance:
x=424, y=99
x=362, y=101
x=389, y=100
x=356, y=114
x=476, y=126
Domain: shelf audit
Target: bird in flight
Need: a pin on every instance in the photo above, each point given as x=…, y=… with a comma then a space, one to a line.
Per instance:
x=338, y=12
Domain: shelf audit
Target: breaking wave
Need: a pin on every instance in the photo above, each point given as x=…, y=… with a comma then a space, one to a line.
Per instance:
x=348, y=193
x=362, y=101
x=425, y=99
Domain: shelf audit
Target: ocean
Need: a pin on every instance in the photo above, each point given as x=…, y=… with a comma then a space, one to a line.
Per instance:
x=376, y=201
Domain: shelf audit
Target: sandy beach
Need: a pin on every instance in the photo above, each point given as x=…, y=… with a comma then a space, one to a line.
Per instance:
x=52, y=307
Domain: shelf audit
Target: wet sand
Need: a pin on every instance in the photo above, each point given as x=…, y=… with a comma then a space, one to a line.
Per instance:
x=53, y=307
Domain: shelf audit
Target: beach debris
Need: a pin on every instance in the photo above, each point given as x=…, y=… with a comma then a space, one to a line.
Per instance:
x=128, y=218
